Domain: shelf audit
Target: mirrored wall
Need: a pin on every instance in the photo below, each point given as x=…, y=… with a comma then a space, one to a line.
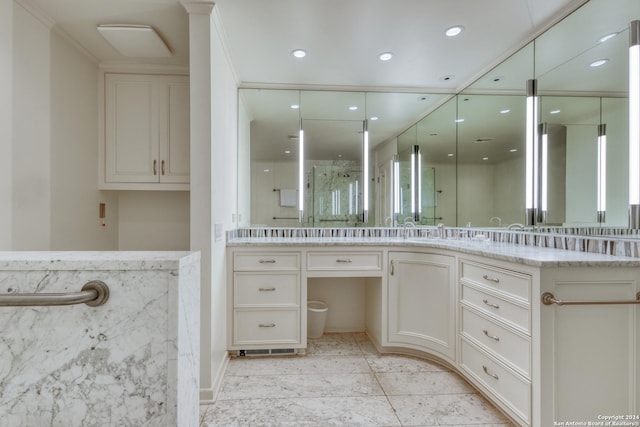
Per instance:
x=457, y=159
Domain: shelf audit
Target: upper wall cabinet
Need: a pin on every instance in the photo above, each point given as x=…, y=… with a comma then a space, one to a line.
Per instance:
x=146, y=132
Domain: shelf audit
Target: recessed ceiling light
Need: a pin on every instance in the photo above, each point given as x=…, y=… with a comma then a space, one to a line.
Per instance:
x=423, y=98
x=299, y=53
x=353, y=107
x=447, y=78
x=339, y=155
x=294, y=106
x=513, y=150
x=287, y=151
x=598, y=63
x=453, y=31
x=485, y=158
x=554, y=112
x=450, y=155
x=505, y=111
x=266, y=170
x=459, y=120
x=374, y=118
x=607, y=37
x=385, y=56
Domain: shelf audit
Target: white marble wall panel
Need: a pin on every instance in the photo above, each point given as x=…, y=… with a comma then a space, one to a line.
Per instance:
x=131, y=361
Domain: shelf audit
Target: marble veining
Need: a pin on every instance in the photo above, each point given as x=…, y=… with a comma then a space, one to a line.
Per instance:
x=344, y=381
x=131, y=361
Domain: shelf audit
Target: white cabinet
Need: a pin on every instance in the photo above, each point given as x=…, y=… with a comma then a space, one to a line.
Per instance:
x=146, y=132
x=265, y=297
x=421, y=302
x=495, y=333
x=590, y=353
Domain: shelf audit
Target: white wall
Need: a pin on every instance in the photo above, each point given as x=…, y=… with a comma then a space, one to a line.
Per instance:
x=509, y=191
x=75, y=198
x=153, y=220
x=475, y=195
x=615, y=113
x=581, y=174
x=31, y=151
x=224, y=198
x=6, y=124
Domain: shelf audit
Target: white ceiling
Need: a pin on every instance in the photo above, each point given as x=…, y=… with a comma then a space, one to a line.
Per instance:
x=342, y=37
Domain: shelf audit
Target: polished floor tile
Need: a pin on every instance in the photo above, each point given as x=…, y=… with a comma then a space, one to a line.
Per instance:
x=344, y=381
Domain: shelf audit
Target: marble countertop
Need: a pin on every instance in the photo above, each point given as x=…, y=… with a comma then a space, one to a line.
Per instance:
x=97, y=260
x=522, y=254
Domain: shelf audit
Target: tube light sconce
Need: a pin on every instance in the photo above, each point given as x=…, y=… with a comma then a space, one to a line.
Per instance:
x=416, y=184
x=634, y=124
x=365, y=170
x=301, y=175
x=602, y=173
x=396, y=185
x=544, y=173
x=531, y=171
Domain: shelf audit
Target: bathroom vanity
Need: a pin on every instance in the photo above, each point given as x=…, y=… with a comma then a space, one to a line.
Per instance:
x=475, y=306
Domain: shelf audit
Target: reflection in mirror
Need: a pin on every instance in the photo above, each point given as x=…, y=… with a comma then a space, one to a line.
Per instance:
x=490, y=160
x=584, y=84
x=333, y=175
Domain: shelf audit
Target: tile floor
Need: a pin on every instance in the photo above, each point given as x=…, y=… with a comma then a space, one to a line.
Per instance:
x=344, y=381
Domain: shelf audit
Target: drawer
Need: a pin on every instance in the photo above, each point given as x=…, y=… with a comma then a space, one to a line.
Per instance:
x=507, y=311
x=514, y=349
x=266, y=261
x=509, y=388
x=266, y=327
x=510, y=282
x=266, y=289
x=322, y=261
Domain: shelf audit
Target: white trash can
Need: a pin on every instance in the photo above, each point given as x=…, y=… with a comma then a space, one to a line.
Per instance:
x=316, y=318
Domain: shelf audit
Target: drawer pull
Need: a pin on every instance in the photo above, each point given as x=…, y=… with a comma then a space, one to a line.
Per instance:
x=493, y=337
x=490, y=304
x=266, y=289
x=267, y=325
x=267, y=261
x=346, y=260
x=491, y=279
x=488, y=372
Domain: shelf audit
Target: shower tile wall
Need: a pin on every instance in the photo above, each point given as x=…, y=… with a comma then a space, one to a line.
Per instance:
x=132, y=361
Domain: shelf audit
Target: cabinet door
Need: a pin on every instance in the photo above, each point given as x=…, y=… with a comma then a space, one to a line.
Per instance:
x=422, y=302
x=131, y=128
x=174, y=131
x=590, y=355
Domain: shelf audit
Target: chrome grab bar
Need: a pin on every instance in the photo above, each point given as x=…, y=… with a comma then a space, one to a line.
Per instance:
x=548, y=299
x=93, y=293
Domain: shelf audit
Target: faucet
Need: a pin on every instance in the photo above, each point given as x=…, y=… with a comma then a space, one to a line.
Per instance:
x=442, y=231
x=515, y=226
x=497, y=219
x=407, y=224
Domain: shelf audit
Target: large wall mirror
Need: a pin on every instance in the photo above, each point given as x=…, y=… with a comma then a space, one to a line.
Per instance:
x=457, y=159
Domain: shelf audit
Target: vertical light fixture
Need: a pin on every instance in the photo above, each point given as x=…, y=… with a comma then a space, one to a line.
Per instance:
x=531, y=170
x=544, y=173
x=301, y=174
x=416, y=184
x=365, y=178
x=602, y=170
x=634, y=124
x=396, y=184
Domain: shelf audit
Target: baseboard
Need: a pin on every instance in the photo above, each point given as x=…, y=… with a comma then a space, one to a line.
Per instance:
x=209, y=395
